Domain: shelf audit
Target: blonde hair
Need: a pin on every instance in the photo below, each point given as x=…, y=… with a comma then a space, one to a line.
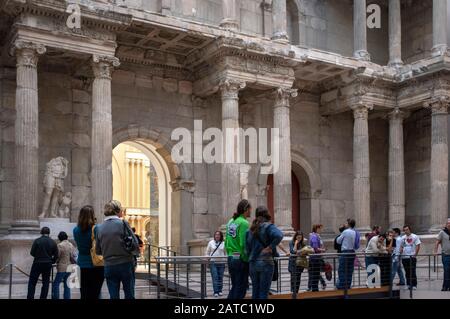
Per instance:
x=112, y=208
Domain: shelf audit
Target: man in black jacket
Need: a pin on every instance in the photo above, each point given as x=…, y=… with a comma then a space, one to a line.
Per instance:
x=45, y=253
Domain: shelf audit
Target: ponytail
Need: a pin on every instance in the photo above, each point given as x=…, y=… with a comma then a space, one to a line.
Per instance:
x=241, y=208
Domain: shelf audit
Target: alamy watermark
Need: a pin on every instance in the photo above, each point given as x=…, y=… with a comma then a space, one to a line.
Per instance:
x=228, y=146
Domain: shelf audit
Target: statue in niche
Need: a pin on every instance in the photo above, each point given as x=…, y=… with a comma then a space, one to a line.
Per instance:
x=54, y=177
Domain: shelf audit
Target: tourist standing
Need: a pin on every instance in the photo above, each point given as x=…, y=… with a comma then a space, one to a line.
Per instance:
x=349, y=243
x=45, y=253
x=66, y=257
x=262, y=241
x=374, y=250
x=295, y=269
x=409, y=250
x=316, y=261
x=119, y=248
x=92, y=275
x=443, y=240
x=396, y=264
x=235, y=248
x=337, y=246
x=216, y=248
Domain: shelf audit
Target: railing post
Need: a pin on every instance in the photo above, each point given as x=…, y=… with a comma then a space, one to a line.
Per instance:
x=158, y=279
x=410, y=278
x=149, y=268
x=203, y=280
x=334, y=271
x=167, y=276
x=345, y=277
x=391, y=278
x=10, y=281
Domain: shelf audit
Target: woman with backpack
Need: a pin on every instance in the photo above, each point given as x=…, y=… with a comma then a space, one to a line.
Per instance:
x=92, y=271
x=261, y=242
x=216, y=248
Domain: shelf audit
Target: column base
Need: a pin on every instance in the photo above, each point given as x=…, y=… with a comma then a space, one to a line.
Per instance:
x=362, y=55
x=396, y=64
x=25, y=227
x=435, y=229
x=15, y=249
x=438, y=50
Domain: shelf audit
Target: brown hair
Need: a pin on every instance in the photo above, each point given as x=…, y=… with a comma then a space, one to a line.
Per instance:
x=112, y=208
x=262, y=216
x=316, y=227
x=86, y=218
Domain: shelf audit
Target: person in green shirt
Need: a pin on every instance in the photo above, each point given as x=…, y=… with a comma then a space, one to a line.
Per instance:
x=235, y=247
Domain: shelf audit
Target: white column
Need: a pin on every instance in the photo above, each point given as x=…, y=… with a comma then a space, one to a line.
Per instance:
x=101, y=145
x=396, y=174
x=361, y=167
x=439, y=163
x=282, y=184
x=395, y=34
x=360, y=30
x=26, y=137
x=439, y=27
x=230, y=171
x=279, y=20
x=229, y=11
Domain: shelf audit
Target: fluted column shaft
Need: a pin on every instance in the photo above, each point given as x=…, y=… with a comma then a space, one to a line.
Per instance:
x=282, y=183
x=230, y=167
x=229, y=20
x=396, y=174
x=439, y=27
x=279, y=20
x=439, y=163
x=360, y=30
x=101, y=139
x=26, y=137
x=361, y=167
x=395, y=34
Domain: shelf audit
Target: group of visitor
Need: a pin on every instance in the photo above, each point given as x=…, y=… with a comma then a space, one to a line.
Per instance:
x=103, y=251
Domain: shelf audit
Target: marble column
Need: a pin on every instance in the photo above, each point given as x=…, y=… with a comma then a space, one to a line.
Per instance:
x=395, y=34
x=439, y=27
x=439, y=163
x=361, y=166
x=229, y=10
x=396, y=173
x=360, y=30
x=230, y=168
x=282, y=184
x=101, y=138
x=279, y=20
x=26, y=138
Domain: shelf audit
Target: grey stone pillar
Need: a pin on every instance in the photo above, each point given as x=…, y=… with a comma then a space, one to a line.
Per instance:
x=101, y=138
x=439, y=163
x=439, y=27
x=361, y=167
x=395, y=34
x=279, y=20
x=282, y=185
x=26, y=138
x=230, y=168
x=396, y=174
x=229, y=10
x=360, y=30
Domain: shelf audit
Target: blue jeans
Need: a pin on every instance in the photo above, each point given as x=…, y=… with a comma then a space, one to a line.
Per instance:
x=122, y=273
x=60, y=276
x=446, y=264
x=217, y=271
x=345, y=270
x=261, y=272
x=397, y=269
x=238, y=270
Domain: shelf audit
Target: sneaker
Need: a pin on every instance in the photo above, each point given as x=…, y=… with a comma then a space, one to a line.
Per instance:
x=216, y=295
x=405, y=288
x=324, y=286
x=220, y=294
x=414, y=288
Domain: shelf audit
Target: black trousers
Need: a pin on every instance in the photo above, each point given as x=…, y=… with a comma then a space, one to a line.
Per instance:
x=385, y=263
x=410, y=264
x=296, y=277
x=91, y=282
x=38, y=269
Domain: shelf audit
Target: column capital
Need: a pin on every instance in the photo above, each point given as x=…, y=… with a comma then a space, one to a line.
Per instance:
x=282, y=96
x=361, y=110
x=27, y=53
x=103, y=65
x=438, y=105
x=397, y=114
x=230, y=88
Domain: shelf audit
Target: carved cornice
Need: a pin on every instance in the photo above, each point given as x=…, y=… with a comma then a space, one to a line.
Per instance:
x=103, y=66
x=27, y=53
x=183, y=185
x=438, y=105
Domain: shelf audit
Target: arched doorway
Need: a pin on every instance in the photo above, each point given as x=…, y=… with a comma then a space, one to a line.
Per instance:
x=295, y=200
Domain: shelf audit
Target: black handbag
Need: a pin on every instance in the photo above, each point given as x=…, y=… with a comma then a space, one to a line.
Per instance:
x=129, y=243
